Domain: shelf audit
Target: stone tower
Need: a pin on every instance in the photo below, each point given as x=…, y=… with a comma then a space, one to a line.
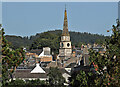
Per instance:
x=65, y=44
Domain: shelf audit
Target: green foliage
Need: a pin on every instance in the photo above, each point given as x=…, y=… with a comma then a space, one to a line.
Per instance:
x=47, y=39
x=29, y=83
x=18, y=41
x=110, y=59
x=55, y=77
x=109, y=77
x=17, y=82
x=36, y=82
x=82, y=79
x=77, y=39
x=0, y=84
x=10, y=59
x=100, y=41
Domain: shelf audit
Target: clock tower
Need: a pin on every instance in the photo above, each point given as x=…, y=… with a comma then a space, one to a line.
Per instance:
x=65, y=50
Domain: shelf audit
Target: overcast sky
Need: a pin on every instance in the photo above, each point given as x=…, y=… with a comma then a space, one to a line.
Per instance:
x=29, y=18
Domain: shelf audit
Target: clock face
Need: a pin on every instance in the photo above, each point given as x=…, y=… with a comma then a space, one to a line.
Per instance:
x=68, y=44
x=67, y=37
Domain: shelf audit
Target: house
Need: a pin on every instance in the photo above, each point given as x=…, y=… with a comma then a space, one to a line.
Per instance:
x=45, y=55
x=36, y=55
x=29, y=61
x=29, y=74
x=37, y=73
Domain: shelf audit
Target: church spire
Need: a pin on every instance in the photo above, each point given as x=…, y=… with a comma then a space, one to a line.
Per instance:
x=65, y=25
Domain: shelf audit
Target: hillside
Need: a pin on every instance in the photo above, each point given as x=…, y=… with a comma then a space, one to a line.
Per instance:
x=77, y=38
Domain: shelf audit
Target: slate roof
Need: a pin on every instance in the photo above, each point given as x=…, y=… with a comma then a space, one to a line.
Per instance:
x=81, y=67
x=25, y=73
x=71, y=65
x=37, y=51
x=53, y=64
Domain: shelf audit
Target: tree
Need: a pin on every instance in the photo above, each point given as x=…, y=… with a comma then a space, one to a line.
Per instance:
x=36, y=82
x=10, y=59
x=47, y=39
x=77, y=39
x=106, y=67
x=55, y=77
x=100, y=41
x=16, y=83
x=80, y=80
x=110, y=60
x=28, y=83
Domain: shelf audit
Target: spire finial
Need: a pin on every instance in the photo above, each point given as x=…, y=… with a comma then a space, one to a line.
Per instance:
x=65, y=6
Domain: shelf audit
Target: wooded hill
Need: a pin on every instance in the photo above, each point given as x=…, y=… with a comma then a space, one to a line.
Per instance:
x=52, y=39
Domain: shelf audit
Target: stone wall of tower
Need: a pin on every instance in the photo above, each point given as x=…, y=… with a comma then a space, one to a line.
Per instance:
x=65, y=38
x=63, y=52
x=65, y=45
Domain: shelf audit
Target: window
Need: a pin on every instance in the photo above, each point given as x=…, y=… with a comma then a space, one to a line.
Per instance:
x=68, y=44
x=62, y=44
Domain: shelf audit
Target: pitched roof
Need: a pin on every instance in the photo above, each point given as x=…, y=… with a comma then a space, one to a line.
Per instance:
x=37, y=51
x=71, y=65
x=37, y=69
x=25, y=73
x=54, y=64
x=43, y=54
x=81, y=67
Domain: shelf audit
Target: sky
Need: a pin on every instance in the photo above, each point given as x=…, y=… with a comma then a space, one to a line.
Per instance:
x=60, y=0
x=29, y=18
x=119, y=10
x=0, y=12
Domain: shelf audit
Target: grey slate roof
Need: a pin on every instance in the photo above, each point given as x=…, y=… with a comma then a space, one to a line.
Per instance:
x=37, y=51
x=81, y=67
x=25, y=73
x=71, y=65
